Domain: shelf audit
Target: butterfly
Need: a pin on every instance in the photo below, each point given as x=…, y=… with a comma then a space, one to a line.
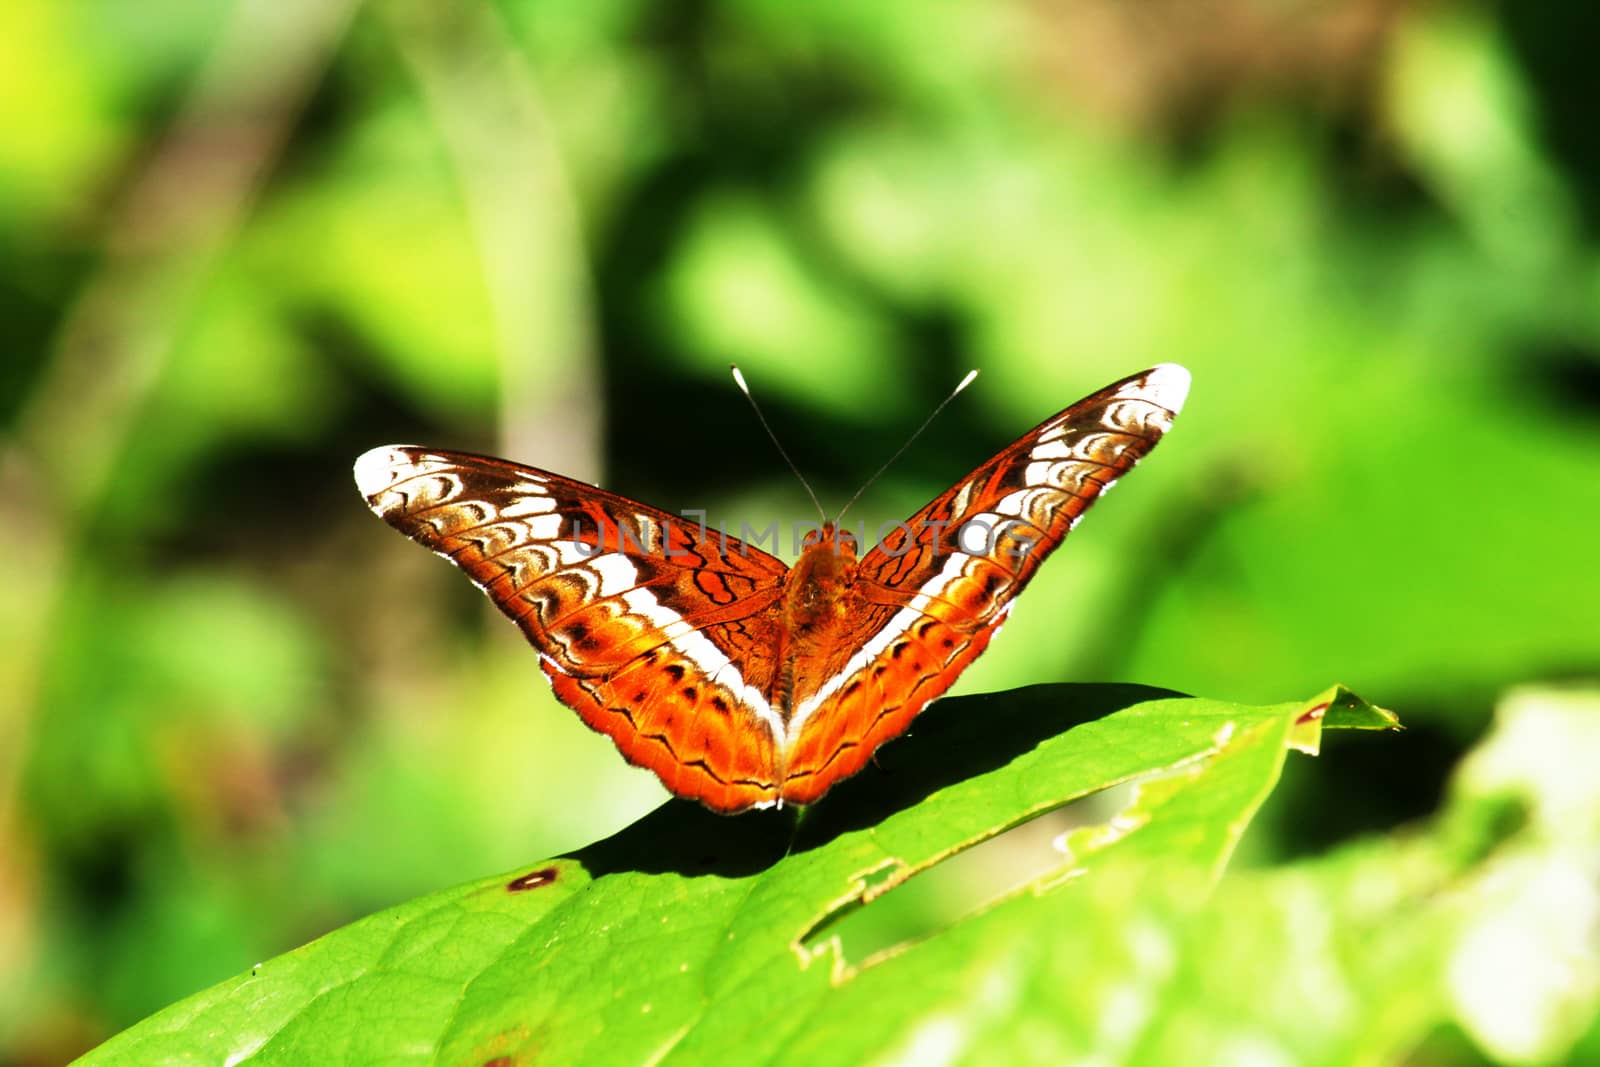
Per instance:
x=741, y=682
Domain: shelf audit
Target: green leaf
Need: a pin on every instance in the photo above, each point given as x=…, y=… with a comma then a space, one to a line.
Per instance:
x=1470, y=926
x=688, y=934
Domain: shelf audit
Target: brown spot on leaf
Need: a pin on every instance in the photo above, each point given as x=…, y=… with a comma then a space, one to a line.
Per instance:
x=1313, y=714
x=532, y=880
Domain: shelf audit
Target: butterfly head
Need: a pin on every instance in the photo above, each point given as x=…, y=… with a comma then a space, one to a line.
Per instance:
x=831, y=540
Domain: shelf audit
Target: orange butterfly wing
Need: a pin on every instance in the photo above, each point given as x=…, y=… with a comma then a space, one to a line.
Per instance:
x=940, y=585
x=657, y=635
x=689, y=650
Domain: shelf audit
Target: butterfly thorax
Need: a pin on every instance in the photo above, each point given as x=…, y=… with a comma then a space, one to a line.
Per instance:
x=819, y=604
x=813, y=594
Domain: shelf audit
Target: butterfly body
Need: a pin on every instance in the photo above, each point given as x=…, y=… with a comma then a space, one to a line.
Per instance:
x=741, y=682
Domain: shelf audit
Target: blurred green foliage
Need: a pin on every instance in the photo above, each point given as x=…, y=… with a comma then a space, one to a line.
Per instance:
x=240, y=243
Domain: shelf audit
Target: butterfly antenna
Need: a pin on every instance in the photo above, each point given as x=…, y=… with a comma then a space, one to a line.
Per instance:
x=971, y=374
x=744, y=388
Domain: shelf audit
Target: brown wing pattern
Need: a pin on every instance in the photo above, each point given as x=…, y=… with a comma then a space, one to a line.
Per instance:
x=653, y=633
x=940, y=585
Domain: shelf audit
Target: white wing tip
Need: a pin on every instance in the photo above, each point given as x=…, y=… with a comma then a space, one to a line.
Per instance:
x=1167, y=384
x=375, y=469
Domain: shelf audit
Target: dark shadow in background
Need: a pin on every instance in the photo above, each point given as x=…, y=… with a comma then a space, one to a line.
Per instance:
x=1555, y=42
x=1367, y=782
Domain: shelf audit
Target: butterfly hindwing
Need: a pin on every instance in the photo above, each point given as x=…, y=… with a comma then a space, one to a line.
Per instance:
x=873, y=694
x=666, y=713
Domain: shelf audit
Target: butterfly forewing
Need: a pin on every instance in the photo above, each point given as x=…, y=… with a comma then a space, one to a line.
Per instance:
x=976, y=544
x=945, y=579
x=647, y=626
